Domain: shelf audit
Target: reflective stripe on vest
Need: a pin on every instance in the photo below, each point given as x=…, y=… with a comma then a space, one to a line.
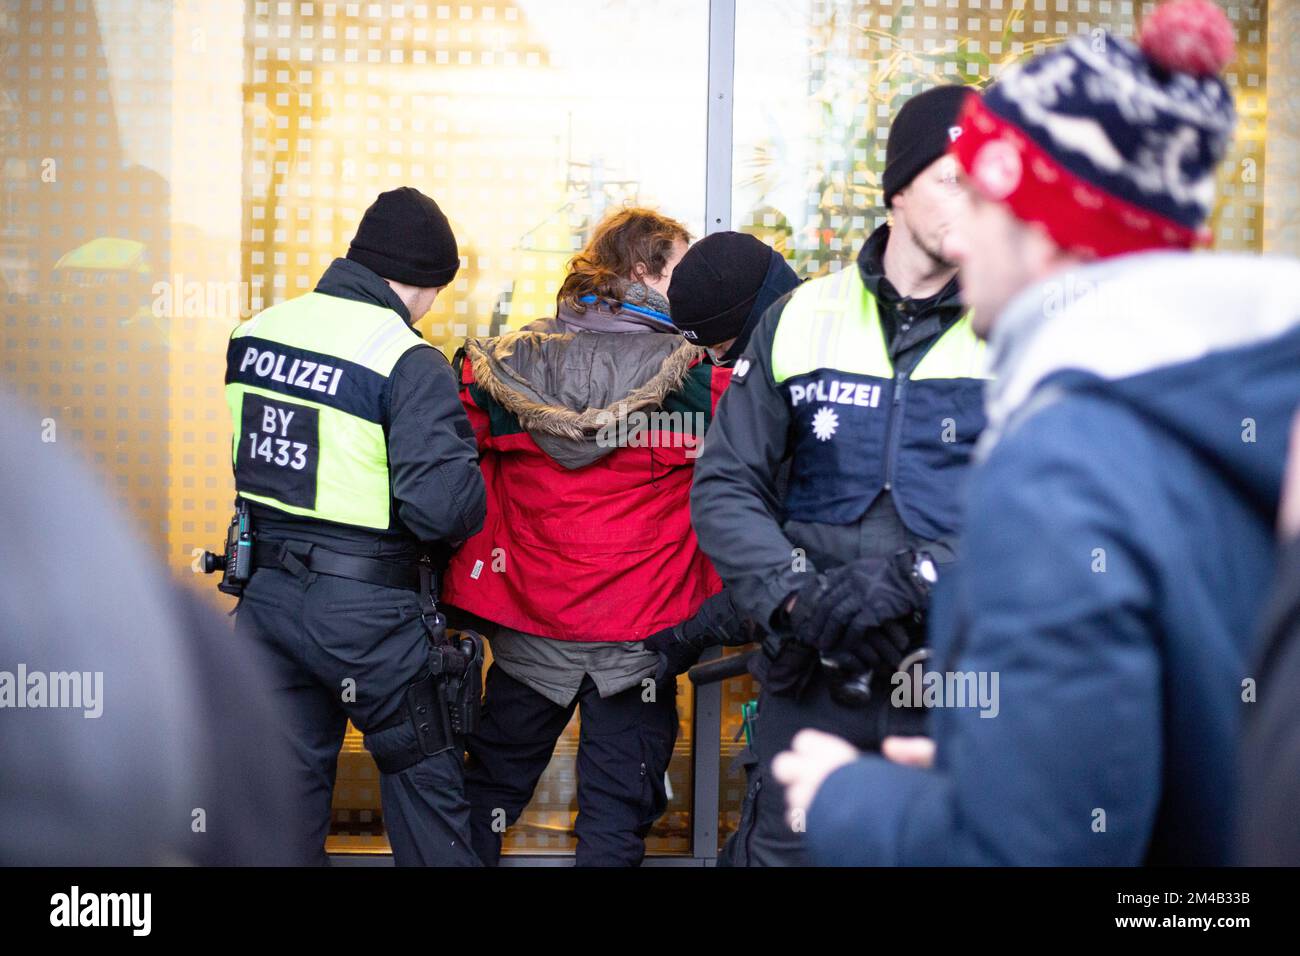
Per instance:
x=857, y=426
x=836, y=324
x=306, y=384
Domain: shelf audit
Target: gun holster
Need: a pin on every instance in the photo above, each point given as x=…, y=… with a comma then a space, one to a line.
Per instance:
x=427, y=708
x=464, y=682
x=452, y=693
x=443, y=706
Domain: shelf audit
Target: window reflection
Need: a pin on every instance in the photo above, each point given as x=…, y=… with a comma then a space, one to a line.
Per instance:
x=169, y=169
x=817, y=83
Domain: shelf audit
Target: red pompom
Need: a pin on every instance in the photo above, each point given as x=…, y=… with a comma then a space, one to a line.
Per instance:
x=1189, y=36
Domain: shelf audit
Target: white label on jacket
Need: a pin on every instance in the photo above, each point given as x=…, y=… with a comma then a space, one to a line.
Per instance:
x=836, y=392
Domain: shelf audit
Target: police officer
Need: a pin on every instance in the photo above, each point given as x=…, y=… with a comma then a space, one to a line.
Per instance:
x=356, y=460
x=865, y=384
x=720, y=290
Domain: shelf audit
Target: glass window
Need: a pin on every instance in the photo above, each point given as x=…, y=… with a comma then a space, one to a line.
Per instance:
x=170, y=169
x=818, y=82
x=527, y=121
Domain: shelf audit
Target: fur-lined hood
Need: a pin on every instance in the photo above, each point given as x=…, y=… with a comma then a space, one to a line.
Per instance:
x=567, y=389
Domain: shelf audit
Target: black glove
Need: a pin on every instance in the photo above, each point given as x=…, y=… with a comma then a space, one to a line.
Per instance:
x=868, y=605
x=806, y=619
x=676, y=654
x=847, y=608
x=717, y=622
x=789, y=672
x=880, y=649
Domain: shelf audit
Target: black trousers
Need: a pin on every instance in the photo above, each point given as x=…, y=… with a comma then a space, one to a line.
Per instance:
x=336, y=649
x=624, y=747
x=765, y=837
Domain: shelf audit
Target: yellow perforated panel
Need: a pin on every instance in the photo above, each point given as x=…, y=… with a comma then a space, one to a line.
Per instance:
x=169, y=169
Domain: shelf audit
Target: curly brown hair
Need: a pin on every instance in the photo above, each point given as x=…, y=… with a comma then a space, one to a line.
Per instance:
x=622, y=241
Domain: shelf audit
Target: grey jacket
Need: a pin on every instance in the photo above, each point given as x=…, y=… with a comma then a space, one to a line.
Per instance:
x=568, y=389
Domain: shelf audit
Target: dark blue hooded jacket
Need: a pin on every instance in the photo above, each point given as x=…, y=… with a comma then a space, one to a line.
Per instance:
x=1118, y=548
x=779, y=280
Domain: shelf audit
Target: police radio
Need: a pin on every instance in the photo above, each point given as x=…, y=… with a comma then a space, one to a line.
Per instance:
x=236, y=562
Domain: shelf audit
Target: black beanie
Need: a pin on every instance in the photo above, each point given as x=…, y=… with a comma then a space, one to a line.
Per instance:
x=405, y=237
x=920, y=134
x=715, y=284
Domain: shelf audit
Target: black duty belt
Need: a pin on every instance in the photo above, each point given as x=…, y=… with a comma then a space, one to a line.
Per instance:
x=314, y=558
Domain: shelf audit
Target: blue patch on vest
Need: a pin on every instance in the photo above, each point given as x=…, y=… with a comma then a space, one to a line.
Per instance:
x=841, y=454
x=314, y=376
x=839, y=425
x=942, y=418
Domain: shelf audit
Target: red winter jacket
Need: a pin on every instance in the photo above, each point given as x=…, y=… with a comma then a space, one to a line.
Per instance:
x=587, y=442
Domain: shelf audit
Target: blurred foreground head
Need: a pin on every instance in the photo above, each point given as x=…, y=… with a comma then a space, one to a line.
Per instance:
x=131, y=729
x=1096, y=148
